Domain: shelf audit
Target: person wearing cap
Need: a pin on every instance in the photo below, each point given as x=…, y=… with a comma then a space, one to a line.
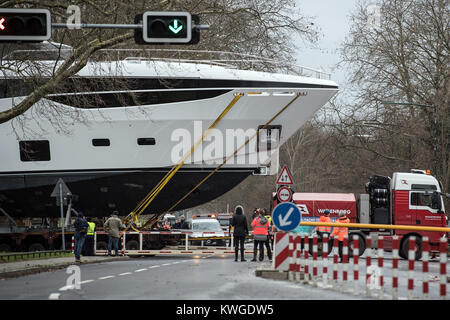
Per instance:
x=321, y=230
x=341, y=232
x=81, y=226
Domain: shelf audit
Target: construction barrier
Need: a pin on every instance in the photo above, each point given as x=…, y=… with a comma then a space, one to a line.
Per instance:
x=291, y=252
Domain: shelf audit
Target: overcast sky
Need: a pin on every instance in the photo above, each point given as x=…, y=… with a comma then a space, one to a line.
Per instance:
x=332, y=17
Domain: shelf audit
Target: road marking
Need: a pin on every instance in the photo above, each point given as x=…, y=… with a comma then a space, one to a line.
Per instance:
x=166, y=264
x=54, y=296
x=107, y=277
x=125, y=273
x=157, y=266
x=65, y=288
x=86, y=281
x=140, y=270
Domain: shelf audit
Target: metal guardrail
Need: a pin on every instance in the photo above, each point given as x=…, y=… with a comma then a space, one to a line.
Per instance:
x=33, y=254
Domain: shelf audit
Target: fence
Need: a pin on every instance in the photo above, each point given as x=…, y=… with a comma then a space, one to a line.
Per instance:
x=292, y=254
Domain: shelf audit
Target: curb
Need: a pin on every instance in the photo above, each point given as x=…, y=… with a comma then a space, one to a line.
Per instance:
x=47, y=268
x=272, y=274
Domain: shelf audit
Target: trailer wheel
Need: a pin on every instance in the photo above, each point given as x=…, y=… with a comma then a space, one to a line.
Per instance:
x=36, y=247
x=362, y=244
x=102, y=245
x=417, y=248
x=132, y=245
x=4, y=247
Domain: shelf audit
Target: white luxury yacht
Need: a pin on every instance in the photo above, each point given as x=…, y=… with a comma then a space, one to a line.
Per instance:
x=116, y=128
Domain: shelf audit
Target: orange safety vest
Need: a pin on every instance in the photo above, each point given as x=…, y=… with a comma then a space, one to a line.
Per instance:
x=260, y=228
x=322, y=228
x=341, y=232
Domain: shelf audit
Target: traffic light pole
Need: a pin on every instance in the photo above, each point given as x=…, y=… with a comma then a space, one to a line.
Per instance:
x=116, y=26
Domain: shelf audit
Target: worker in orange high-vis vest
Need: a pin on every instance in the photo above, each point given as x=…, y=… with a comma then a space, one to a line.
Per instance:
x=321, y=230
x=341, y=232
x=260, y=227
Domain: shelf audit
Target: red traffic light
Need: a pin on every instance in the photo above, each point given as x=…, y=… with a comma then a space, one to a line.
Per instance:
x=24, y=25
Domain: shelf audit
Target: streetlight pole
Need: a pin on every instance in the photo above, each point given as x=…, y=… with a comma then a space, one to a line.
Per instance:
x=435, y=128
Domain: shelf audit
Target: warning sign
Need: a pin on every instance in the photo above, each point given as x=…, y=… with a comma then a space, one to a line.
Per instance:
x=285, y=177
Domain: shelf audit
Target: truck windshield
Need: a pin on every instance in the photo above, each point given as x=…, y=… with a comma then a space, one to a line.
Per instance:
x=206, y=226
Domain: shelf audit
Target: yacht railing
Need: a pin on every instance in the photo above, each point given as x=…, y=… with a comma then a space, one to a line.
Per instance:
x=220, y=58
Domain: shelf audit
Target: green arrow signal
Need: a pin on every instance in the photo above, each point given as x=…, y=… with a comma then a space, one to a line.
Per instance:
x=175, y=28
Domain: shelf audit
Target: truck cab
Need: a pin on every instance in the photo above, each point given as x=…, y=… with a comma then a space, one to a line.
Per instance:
x=413, y=199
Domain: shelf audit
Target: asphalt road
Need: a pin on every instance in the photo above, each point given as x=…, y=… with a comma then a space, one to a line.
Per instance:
x=161, y=278
x=198, y=278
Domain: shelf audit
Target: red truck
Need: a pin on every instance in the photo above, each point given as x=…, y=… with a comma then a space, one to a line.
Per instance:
x=413, y=199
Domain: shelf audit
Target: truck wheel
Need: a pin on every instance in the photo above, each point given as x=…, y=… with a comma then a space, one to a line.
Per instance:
x=132, y=245
x=36, y=247
x=362, y=244
x=417, y=248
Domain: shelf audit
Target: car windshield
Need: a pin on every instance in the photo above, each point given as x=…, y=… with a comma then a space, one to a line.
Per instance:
x=207, y=225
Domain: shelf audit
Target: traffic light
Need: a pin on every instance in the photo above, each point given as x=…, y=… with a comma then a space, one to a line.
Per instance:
x=25, y=25
x=167, y=27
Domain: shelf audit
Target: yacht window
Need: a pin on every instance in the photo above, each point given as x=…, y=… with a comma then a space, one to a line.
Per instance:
x=146, y=141
x=34, y=150
x=101, y=142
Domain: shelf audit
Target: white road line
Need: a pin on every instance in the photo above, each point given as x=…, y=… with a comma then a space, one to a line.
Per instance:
x=86, y=281
x=166, y=264
x=54, y=296
x=140, y=270
x=125, y=273
x=157, y=266
x=107, y=277
x=65, y=288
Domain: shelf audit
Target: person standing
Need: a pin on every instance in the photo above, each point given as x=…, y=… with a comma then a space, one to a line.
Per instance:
x=81, y=226
x=113, y=225
x=239, y=222
x=341, y=232
x=260, y=227
x=266, y=214
x=321, y=230
x=89, y=243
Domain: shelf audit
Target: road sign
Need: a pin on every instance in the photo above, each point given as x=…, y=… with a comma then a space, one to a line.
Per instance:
x=284, y=194
x=64, y=190
x=286, y=216
x=285, y=177
x=25, y=25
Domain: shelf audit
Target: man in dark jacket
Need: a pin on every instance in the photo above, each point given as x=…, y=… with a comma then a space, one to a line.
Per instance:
x=81, y=226
x=239, y=222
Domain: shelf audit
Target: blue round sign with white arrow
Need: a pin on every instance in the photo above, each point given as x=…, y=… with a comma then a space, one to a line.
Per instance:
x=286, y=216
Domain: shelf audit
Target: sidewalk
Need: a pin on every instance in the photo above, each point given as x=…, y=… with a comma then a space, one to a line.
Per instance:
x=22, y=268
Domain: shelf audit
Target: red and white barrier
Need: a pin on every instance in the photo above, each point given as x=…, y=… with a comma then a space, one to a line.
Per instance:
x=73, y=244
x=368, y=263
x=425, y=270
x=307, y=276
x=314, y=277
x=291, y=258
x=298, y=258
x=345, y=265
x=281, y=252
x=443, y=268
x=395, y=257
x=380, y=266
x=411, y=256
x=335, y=264
x=325, y=260
x=355, y=265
